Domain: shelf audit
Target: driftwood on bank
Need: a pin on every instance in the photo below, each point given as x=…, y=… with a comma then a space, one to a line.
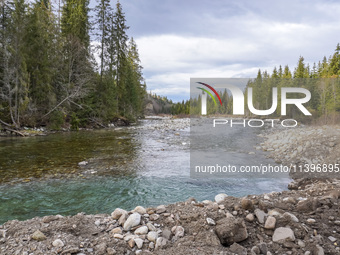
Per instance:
x=8, y=127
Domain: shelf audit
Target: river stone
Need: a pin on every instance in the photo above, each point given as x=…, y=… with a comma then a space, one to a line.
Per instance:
x=141, y=230
x=117, y=213
x=109, y=251
x=178, y=231
x=101, y=249
x=140, y=209
x=131, y=243
x=58, y=243
x=118, y=236
x=152, y=236
x=154, y=217
x=151, y=227
x=247, y=204
x=250, y=217
x=231, y=230
x=260, y=215
x=38, y=236
x=160, y=209
x=116, y=231
x=283, y=234
x=319, y=250
x=151, y=245
x=238, y=249
x=332, y=239
x=220, y=197
x=311, y=221
x=290, y=217
x=160, y=242
x=133, y=220
x=270, y=223
x=307, y=205
x=211, y=222
x=166, y=233
x=122, y=218
x=139, y=243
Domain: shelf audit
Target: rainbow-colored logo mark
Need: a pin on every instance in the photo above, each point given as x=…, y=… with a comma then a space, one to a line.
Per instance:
x=212, y=89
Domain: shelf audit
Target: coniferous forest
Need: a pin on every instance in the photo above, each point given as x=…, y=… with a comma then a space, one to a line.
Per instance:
x=48, y=72
x=322, y=80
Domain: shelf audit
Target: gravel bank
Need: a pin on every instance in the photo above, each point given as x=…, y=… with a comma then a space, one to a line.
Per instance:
x=302, y=221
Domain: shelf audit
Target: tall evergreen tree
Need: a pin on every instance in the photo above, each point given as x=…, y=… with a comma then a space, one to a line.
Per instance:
x=120, y=39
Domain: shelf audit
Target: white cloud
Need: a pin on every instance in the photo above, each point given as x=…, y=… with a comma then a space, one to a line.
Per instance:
x=239, y=50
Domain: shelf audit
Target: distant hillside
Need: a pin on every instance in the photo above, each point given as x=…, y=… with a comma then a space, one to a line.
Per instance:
x=157, y=105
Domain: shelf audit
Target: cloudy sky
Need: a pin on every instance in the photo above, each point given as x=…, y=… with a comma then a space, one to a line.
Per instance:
x=180, y=39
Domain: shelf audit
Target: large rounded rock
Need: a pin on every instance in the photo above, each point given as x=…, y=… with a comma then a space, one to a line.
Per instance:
x=133, y=220
x=231, y=230
x=220, y=197
x=140, y=209
x=117, y=213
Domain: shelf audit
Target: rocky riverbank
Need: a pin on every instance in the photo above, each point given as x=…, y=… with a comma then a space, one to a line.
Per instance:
x=307, y=147
x=302, y=221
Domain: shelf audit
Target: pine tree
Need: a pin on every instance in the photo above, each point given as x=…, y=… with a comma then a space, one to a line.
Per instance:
x=75, y=21
x=120, y=39
x=41, y=30
x=104, y=14
x=14, y=78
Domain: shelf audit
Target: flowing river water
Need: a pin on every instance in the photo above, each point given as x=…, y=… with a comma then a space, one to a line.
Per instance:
x=147, y=164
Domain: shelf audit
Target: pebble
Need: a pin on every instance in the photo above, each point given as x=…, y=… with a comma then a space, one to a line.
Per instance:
x=260, y=215
x=139, y=243
x=311, y=221
x=291, y=217
x=83, y=163
x=132, y=221
x=141, y=230
x=283, y=234
x=301, y=244
x=152, y=236
x=58, y=243
x=220, y=198
x=250, y=217
x=160, y=209
x=118, y=236
x=116, y=230
x=332, y=239
x=38, y=236
x=270, y=223
x=151, y=227
x=160, y=242
x=154, y=217
x=247, y=204
x=211, y=222
x=131, y=243
x=178, y=231
x=117, y=213
x=139, y=209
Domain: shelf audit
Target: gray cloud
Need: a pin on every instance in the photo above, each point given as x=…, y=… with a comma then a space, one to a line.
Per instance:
x=181, y=39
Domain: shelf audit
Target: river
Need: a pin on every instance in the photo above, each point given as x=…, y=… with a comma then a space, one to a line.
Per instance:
x=147, y=164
